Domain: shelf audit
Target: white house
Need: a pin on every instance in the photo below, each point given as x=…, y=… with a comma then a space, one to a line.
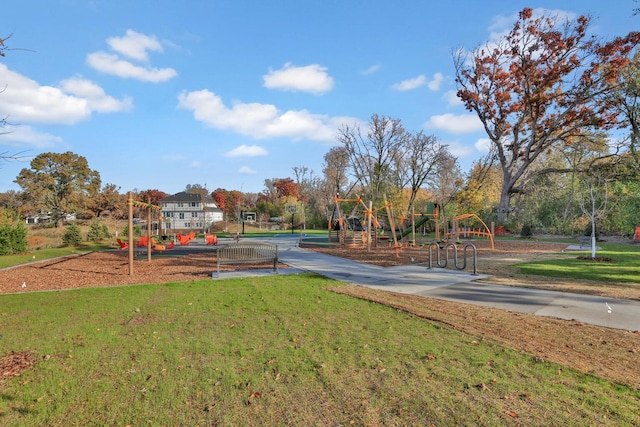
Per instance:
x=189, y=211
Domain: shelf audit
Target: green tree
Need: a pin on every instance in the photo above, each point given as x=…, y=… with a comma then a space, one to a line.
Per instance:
x=72, y=235
x=13, y=233
x=95, y=231
x=59, y=183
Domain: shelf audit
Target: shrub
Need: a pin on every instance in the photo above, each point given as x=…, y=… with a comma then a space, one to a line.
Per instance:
x=105, y=232
x=72, y=236
x=95, y=231
x=13, y=233
x=526, y=231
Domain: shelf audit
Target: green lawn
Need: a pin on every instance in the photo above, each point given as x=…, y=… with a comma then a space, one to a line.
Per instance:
x=274, y=351
x=624, y=266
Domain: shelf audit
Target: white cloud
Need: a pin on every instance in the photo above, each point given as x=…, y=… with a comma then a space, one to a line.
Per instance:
x=134, y=46
x=410, y=84
x=196, y=164
x=451, y=96
x=260, y=121
x=371, y=70
x=25, y=136
x=25, y=101
x=483, y=145
x=434, y=84
x=247, y=151
x=312, y=78
x=112, y=64
x=461, y=123
x=246, y=170
x=96, y=97
x=457, y=149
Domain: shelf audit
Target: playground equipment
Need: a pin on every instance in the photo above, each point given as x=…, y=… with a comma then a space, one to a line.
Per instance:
x=121, y=244
x=185, y=239
x=467, y=232
x=349, y=230
x=211, y=239
x=455, y=256
x=149, y=207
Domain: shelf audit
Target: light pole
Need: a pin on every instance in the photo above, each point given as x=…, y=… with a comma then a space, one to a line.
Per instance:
x=291, y=208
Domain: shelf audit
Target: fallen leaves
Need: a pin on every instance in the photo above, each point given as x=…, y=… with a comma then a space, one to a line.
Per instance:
x=13, y=364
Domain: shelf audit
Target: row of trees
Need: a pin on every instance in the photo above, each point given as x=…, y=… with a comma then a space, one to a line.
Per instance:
x=560, y=108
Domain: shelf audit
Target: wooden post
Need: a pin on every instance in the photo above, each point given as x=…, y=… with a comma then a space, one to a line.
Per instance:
x=149, y=230
x=436, y=210
x=413, y=225
x=369, y=224
x=130, y=207
x=391, y=222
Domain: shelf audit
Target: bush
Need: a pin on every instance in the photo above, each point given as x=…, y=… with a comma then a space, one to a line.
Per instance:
x=13, y=233
x=106, y=234
x=136, y=231
x=72, y=236
x=95, y=231
x=526, y=232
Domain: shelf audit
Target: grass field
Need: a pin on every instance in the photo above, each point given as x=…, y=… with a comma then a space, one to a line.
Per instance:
x=274, y=351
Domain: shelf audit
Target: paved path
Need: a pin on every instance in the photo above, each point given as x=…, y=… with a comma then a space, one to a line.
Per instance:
x=459, y=286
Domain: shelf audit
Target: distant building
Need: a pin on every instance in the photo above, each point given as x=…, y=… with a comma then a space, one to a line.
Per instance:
x=184, y=212
x=46, y=218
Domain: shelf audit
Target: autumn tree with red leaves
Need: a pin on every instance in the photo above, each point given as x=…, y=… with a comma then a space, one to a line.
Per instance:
x=540, y=87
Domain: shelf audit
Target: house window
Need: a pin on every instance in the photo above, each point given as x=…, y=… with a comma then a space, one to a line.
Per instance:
x=194, y=214
x=194, y=204
x=180, y=204
x=181, y=215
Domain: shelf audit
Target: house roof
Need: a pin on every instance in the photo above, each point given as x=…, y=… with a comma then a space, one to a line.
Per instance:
x=188, y=198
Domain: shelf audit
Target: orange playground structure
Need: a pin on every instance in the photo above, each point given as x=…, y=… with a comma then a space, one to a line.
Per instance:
x=350, y=230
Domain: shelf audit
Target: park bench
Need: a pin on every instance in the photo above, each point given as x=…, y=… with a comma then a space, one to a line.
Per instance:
x=585, y=241
x=238, y=253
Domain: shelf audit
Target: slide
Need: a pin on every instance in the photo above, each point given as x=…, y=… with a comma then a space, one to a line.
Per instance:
x=419, y=222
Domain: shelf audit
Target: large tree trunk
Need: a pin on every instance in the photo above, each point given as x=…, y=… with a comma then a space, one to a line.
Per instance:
x=504, y=205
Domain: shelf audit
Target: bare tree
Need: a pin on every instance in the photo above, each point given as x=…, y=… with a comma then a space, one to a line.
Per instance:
x=422, y=155
x=446, y=181
x=373, y=156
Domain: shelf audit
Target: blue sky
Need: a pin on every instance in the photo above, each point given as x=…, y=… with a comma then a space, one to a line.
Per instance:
x=160, y=94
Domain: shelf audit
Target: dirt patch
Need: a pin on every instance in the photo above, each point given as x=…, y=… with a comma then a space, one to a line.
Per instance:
x=111, y=268
x=608, y=353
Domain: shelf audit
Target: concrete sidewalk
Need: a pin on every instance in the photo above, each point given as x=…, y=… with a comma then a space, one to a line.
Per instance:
x=460, y=286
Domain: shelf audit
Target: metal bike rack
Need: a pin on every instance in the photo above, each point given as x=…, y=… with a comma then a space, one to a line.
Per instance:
x=455, y=256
